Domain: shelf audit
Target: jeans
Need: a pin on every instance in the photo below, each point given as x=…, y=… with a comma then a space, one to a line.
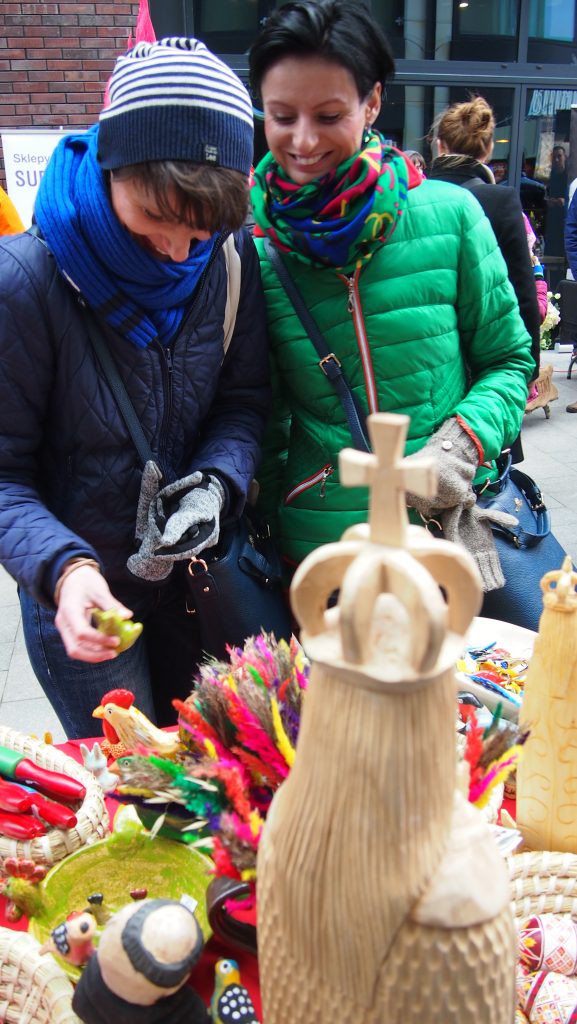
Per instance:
x=157, y=668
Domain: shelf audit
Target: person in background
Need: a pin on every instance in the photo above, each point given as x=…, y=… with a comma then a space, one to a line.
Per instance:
x=417, y=159
x=538, y=269
x=10, y=223
x=571, y=253
x=403, y=276
x=462, y=146
x=131, y=217
x=556, y=201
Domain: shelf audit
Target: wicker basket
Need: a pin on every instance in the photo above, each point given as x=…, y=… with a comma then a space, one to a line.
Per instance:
x=92, y=823
x=33, y=988
x=543, y=883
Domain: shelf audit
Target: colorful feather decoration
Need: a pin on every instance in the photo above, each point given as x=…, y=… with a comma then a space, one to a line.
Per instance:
x=492, y=754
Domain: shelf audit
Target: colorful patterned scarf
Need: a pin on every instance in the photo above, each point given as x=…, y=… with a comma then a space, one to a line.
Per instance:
x=141, y=297
x=338, y=220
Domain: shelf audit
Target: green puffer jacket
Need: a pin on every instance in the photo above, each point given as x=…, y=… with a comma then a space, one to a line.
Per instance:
x=431, y=307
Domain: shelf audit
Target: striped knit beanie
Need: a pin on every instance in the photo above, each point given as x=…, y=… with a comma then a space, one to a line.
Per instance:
x=174, y=100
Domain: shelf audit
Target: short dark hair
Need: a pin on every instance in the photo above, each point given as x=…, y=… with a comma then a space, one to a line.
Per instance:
x=210, y=198
x=341, y=31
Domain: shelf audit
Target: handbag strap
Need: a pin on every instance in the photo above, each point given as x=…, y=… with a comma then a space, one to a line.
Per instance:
x=530, y=490
x=329, y=364
x=110, y=370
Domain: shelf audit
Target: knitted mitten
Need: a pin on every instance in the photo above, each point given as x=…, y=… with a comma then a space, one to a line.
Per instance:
x=457, y=459
x=471, y=528
x=183, y=520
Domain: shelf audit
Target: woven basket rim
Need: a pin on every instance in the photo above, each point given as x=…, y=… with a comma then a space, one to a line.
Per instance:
x=92, y=815
x=543, y=882
x=33, y=988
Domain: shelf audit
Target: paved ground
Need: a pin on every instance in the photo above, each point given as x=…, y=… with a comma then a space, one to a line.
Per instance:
x=550, y=447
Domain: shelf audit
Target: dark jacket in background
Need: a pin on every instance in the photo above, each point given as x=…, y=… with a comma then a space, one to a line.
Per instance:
x=503, y=208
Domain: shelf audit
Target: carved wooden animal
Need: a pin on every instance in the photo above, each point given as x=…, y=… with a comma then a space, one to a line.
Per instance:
x=547, y=773
x=381, y=895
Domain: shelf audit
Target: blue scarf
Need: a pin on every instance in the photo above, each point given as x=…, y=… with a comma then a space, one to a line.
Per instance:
x=141, y=297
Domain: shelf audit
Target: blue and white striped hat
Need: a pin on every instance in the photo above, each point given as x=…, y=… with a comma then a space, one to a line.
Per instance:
x=174, y=100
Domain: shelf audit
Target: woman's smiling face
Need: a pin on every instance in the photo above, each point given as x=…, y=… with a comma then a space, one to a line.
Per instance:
x=313, y=116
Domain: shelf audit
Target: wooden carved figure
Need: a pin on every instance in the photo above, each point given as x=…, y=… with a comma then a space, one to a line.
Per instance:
x=547, y=772
x=381, y=894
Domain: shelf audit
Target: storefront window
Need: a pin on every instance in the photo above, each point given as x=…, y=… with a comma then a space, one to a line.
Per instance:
x=409, y=111
x=545, y=182
x=552, y=19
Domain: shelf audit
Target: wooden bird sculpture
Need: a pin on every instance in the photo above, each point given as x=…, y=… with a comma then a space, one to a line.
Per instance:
x=547, y=773
x=136, y=730
x=381, y=894
x=231, y=1002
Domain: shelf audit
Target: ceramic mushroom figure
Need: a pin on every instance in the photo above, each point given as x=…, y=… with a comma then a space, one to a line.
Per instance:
x=381, y=894
x=547, y=773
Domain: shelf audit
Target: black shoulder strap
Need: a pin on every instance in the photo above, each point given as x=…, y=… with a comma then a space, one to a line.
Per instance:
x=110, y=370
x=329, y=363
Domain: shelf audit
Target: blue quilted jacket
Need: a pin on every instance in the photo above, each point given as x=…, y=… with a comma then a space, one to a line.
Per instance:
x=69, y=472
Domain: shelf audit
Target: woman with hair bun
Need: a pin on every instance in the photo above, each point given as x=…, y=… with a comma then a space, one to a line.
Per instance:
x=463, y=146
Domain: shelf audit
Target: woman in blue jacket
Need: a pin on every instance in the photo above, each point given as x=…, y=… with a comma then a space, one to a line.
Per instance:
x=131, y=218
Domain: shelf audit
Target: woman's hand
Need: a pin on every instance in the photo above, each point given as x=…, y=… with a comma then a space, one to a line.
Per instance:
x=457, y=460
x=81, y=591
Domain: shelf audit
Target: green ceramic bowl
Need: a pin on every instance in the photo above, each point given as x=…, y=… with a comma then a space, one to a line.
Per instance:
x=114, y=866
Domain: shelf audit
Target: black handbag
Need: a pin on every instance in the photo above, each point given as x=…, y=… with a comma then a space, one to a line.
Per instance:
x=526, y=551
x=235, y=589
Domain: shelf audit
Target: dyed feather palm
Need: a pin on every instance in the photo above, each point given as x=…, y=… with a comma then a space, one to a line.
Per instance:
x=238, y=729
x=491, y=754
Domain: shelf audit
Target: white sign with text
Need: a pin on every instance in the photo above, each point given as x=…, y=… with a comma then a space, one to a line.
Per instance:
x=26, y=155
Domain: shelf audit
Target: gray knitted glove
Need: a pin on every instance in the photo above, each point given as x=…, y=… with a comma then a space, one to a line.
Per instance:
x=471, y=528
x=457, y=458
x=183, y=520
x=149, y=487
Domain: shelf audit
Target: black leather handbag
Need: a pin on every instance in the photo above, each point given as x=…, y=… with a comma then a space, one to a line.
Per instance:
x=526, y=551
x=235, y=588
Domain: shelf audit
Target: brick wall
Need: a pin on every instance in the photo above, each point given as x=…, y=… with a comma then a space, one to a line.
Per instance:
x=55, y=59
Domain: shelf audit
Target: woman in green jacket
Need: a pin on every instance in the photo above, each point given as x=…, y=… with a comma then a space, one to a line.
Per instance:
x=403, y=277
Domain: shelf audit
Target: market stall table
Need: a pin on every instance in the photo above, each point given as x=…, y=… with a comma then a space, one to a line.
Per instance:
x=202, y=976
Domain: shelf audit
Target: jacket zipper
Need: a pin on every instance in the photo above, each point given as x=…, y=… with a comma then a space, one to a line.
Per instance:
x=166, y=357
x=355, y=309
x=319, y=477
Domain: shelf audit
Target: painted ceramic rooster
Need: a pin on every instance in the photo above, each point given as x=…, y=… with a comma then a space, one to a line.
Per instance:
x=112, y=745
x=135, y=730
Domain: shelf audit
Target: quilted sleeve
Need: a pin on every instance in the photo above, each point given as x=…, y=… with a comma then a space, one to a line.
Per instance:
x=496, y=345
x=32, y=541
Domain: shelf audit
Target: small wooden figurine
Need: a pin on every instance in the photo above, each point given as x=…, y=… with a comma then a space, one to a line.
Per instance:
x=139, y=973
x=73, y=939
x=381, y=894
x=231, y=1002
x=547, y=773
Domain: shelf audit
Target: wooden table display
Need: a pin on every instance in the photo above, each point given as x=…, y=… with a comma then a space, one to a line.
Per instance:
x=381, y=894
x=547, y=773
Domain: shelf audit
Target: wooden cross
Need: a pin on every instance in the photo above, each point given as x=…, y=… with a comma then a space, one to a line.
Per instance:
x=389, y=475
